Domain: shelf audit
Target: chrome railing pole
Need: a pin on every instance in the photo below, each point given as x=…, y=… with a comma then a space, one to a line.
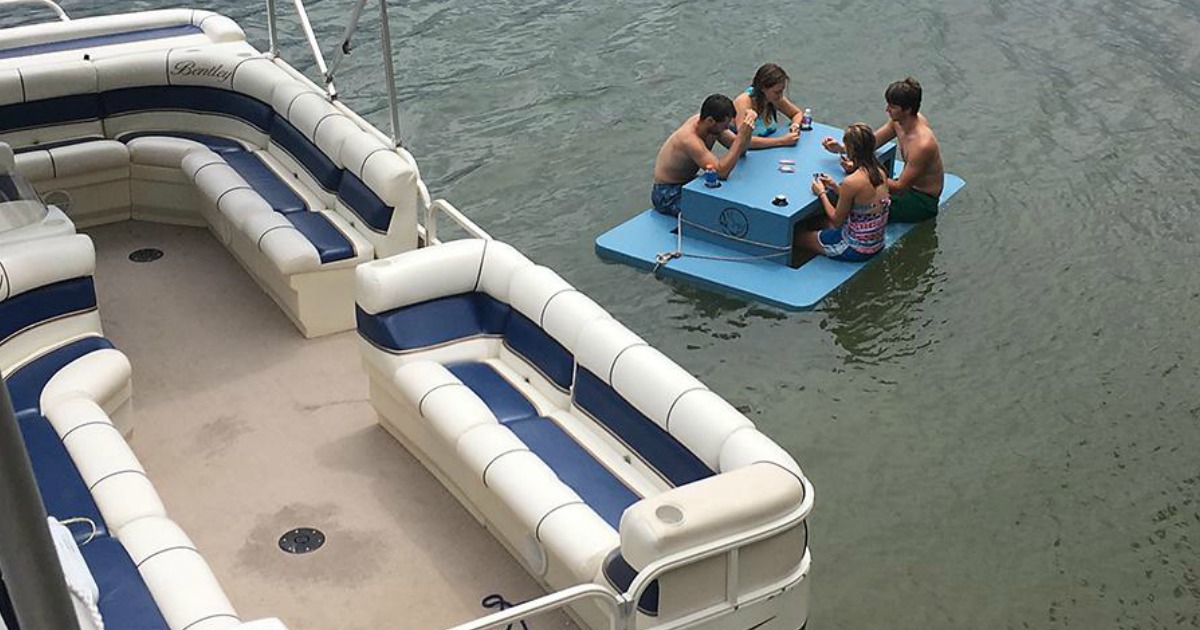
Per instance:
x=613, y=603
x=344, y=49
x=316, y=48
x=389, y=72
x=50, y=4
x=28, y=561
x=272, y=30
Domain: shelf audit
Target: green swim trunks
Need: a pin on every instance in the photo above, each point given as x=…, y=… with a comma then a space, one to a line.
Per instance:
x=913, y=206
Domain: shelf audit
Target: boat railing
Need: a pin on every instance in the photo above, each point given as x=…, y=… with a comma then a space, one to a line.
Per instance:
x=309, y=36
x=385, y=40
x=611, y=601
x=620, y=606
x=342, y=51
x=441, y=207
x=49, y=4
x=729, y=546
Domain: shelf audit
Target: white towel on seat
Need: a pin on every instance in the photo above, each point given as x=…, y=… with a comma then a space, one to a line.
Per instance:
x=80, y=582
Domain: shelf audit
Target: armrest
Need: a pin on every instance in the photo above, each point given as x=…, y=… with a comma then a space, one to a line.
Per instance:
x=425, y=274
x=707, y=511
x=419, y=276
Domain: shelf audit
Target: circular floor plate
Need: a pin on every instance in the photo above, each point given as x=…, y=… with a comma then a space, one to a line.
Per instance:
x=302, y=540
x=146, y=255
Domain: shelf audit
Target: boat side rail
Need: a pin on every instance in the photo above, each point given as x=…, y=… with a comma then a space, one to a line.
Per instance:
x=49, y=4
x=441, y=207
x=617, y=608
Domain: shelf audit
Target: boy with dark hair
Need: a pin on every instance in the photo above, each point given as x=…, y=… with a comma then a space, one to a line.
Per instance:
x=915, y=195
x=689, y=149
x=905, y=94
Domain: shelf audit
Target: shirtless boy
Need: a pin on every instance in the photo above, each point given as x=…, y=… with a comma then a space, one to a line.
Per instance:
x=690, y=148
x=915, y=195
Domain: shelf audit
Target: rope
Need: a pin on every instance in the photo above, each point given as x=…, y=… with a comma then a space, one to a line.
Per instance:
x=497, y=601
x=732, y=237
x=663, y=258
x=83, y=519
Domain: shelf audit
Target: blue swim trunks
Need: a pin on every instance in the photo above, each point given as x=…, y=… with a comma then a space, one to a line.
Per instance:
x=665, y=198
x=837, y=247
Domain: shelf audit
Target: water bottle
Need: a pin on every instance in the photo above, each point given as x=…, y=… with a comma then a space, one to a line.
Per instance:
x=806, y=121
x=710, y=177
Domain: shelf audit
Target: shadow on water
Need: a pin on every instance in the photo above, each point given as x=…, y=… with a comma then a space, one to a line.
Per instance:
x=872, y=316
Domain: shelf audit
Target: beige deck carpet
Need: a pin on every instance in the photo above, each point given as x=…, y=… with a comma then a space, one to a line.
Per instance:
x=248, y=430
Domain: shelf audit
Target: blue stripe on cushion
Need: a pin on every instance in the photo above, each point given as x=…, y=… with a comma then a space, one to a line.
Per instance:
x=216, y=144
x=51, y=111
x=363, y=202
x=46, y=303
x=531, y=342
x=576, y=467
x=331, y=244
x=265, y=182
x=101, y=40
x=620, y=575
x=189, y=98
x=306, y=153
x=125, y=602
x=25, y=385
x=499, y=395
x=434, y=322
x=63, y=491
x=658, y=448
x=46, y=146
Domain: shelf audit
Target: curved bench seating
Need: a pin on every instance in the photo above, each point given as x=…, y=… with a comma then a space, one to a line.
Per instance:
x=297, y=187
x=567, y=434
x=70, y=389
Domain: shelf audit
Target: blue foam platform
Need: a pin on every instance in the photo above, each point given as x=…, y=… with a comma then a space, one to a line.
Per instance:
x=640, y=240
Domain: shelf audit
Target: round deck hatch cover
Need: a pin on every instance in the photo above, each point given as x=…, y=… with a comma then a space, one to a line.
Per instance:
x=302, y=540
x=147, y=254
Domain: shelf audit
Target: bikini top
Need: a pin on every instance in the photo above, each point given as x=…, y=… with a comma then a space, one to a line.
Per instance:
x=761, y=127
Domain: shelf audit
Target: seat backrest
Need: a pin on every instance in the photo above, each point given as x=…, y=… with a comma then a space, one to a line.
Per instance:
x=421, y=304
x=543, y=330
x=42, y=104
x=188, y=91
x=630, y=389
x=301, y=114
x=380, y=193
x=47, y=297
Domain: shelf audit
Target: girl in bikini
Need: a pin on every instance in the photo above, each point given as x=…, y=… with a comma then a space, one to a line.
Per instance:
x=766, y=96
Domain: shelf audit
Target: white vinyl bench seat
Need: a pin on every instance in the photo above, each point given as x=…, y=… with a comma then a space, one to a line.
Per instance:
x=71, y=390
x=560, y=428
x=223, y=137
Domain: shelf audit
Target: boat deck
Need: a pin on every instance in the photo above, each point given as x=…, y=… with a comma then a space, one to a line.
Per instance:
x=249, y=430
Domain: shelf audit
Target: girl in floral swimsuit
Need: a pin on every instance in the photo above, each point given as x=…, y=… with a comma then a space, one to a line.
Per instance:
x=856, y=224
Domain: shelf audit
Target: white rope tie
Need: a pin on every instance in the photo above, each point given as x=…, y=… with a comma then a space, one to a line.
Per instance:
x=663, y=258
x=79, y=580
x=83, y=519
